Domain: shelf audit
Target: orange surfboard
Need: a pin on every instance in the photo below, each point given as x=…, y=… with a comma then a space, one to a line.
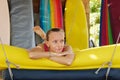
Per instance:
x=4, y=22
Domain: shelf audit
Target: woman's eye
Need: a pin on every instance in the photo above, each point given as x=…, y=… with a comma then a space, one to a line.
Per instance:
x=62, y=41
x=55, y=41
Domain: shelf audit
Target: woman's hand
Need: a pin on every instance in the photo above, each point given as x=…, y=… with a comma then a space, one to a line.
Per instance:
x=58, y=54
x=63, y=58
x=52, y=54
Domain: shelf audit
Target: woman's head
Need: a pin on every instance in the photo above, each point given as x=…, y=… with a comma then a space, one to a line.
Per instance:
x=55, y=40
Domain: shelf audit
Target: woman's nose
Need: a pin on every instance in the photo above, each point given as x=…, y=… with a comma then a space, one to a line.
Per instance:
x=59, y=44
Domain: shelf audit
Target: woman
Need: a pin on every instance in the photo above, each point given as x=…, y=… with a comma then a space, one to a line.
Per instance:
x=53, y=47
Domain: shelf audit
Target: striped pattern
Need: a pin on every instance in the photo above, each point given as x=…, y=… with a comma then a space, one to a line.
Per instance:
x=105, y=26
x=51, y=14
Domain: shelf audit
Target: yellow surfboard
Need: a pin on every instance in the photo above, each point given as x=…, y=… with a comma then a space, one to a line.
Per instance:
x=84, y=59
x=76, y=24
x=4, y=22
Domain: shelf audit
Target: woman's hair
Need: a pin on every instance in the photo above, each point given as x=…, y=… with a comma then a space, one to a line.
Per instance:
x=53, y=30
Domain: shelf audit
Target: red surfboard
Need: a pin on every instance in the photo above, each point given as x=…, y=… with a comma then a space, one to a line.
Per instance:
x=115, y=18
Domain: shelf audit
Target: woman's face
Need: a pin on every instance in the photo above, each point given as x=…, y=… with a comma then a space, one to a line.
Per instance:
x=56, y=42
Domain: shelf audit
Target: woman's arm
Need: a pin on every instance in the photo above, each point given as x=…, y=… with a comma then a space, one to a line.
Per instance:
x=38, y=52
x=65, y=57
x=40, y=32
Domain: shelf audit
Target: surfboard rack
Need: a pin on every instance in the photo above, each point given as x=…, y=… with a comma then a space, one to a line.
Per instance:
x=109, y=63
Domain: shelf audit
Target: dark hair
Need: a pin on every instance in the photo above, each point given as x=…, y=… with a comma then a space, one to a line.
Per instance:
x=53, y=30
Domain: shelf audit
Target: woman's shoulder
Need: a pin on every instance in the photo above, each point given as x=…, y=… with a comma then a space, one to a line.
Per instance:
x=43, y=46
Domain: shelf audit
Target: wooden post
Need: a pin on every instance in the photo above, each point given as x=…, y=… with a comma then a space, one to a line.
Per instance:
x=87, y=9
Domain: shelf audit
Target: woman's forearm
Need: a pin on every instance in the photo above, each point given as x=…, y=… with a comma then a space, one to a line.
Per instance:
x=66, y=60
x=38, y=55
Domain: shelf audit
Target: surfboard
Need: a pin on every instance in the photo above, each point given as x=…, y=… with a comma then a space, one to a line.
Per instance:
x=115, y=18
x=105, y=25
x=4, y=22
x=22, y=23
x=84, y=59
x=76, y=24
x=45, y=22
x=58, y=15
x=51, y=14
